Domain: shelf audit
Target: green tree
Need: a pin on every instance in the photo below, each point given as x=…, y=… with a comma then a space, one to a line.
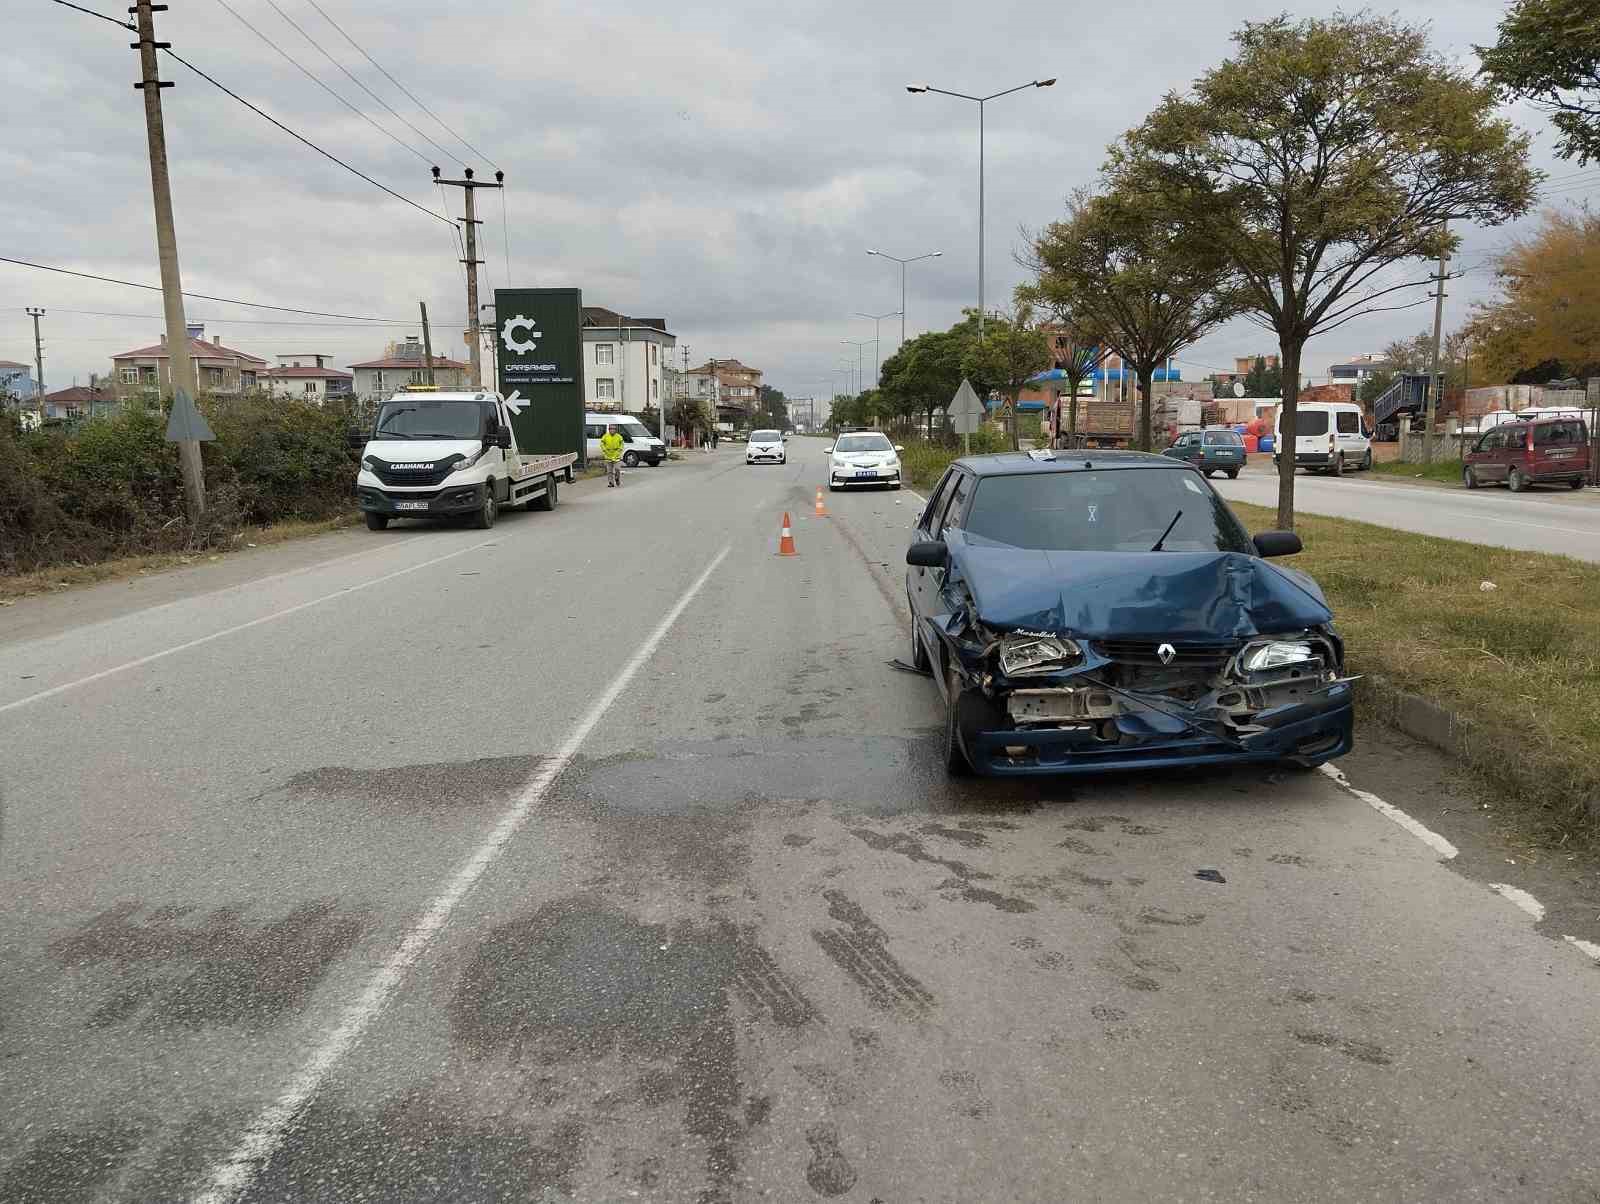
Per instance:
x=690, y=416
x=1149, y=289
x=1012, y=352
x=1320, y=155
x=771, y=410
x=1548, y=53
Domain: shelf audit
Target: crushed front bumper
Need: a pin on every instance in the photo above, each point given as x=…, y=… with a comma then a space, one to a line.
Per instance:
x=1306, y=733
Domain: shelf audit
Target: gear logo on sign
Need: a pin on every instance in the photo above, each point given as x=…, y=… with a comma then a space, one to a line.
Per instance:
x=523, y=346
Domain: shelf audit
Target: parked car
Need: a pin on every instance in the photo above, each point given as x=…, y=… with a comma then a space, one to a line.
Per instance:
x=1329, y=436
x=1545, y=451
x=1218, y=450
x=863, y=458
x=640, y=445
x=1082, y=613
x=766, y=446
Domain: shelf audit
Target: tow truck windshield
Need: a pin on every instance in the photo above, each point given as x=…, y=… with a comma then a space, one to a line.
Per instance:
x=415, y=418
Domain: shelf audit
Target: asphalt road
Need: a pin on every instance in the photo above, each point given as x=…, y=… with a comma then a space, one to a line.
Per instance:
x=603, y=857
x=1539, y=520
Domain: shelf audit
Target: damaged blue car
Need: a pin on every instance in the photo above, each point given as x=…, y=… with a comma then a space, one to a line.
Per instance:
x=1091, y=612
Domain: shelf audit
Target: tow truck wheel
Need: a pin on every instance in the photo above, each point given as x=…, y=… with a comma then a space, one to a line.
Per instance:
x=489, y=511
x=631, y=459
x=551, y=498
x=955, y=759
x=377, y=522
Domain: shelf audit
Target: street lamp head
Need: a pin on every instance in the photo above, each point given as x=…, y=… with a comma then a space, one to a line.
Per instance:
x=1044, y=83
x=936, y=254
x=870, y=251
x=916, y=88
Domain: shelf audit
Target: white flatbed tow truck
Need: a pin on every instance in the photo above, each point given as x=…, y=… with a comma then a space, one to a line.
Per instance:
x=438, y=454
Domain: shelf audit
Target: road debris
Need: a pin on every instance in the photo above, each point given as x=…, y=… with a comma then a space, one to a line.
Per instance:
x=1210, y=876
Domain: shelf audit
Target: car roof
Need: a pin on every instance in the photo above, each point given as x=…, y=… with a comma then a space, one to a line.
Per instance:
x=1013, y=464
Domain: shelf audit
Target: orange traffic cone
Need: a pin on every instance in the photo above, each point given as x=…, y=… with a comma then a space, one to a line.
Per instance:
x=786, y=539
x=822, y=511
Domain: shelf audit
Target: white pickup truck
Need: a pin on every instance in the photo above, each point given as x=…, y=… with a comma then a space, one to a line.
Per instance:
x=442, y=454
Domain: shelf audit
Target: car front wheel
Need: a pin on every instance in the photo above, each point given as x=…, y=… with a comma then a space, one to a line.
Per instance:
x=955, y=757
x=631, y=459
x=1469, y=478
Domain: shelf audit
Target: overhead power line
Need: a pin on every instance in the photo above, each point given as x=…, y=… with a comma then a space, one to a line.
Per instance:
x=357, y=82
x=363, y=52
x=301, y=67
x=156, y=288
x=361, y=325
x=329, y=155
x=91, y=12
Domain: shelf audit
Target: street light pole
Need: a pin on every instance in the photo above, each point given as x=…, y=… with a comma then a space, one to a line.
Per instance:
x=902, y=263
x=860, y=362
x=877, y=349
x=980, y=101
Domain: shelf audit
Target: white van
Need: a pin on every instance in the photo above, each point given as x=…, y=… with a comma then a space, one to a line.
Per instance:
x=1329, y=436
x=640, y=445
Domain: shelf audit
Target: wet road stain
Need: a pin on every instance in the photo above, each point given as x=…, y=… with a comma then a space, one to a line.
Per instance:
x=221, y=971
x=968, y=1098
x=1107, y=1013
x=829, y=1172
x=1287, y=859
x=858, y=947
x=414, y=789
x=988, y=825
x=957, y=889
x=70, y=1164
x=1160, y=915
x=911, y=848
x=1082, y=847
x=1094, y=823
x=1361, y=1051
x=417, y=1149
x=970, y=838
x=796, y=841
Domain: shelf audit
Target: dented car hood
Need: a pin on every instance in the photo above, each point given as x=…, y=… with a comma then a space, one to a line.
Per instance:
x=1133, y=595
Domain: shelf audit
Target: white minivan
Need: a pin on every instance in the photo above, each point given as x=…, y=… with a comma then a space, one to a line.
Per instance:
x=1329, y=436
x=640, y=446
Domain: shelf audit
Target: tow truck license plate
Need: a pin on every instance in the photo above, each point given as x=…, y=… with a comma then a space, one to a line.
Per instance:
x=411, y=505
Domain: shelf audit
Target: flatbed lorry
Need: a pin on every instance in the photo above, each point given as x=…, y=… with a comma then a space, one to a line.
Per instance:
x=440, y=454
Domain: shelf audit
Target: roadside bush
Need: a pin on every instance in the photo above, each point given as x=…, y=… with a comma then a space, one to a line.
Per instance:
x=111, y=486
x=923, y=462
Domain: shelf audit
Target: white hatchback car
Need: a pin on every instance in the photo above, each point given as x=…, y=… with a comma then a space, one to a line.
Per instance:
x=864, y=458
x=766, y=446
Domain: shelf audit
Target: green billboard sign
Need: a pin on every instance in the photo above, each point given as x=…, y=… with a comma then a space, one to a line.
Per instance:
x=540, y=353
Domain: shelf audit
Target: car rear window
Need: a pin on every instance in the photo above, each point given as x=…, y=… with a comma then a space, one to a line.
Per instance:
x=1111, y=510
x=1566, y=432
x=1311, y=422
x=1224, y=439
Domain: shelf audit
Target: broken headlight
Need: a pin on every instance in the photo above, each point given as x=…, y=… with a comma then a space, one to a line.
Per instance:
x=1024, y=654
x=1278, y=654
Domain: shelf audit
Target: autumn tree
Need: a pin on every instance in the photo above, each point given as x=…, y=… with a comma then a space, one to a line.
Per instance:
x=1140, y=281
x=1011, y=352
x=1549, y=304
x=1322, y=154
x=1548, y=54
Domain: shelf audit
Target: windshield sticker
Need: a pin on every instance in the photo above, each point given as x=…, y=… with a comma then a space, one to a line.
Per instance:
x=1093, y=513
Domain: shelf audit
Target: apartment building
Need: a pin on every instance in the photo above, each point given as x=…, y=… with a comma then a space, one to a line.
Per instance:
x=624, y=360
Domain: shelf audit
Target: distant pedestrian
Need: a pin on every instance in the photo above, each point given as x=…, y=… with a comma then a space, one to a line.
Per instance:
x=714, y=434
x=611, y=449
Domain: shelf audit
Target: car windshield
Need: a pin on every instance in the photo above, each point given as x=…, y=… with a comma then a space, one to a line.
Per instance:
x=852, y=444
x=766, y=437
x=1224, y=439
x=416, y=418
x=634, y=430
x=1112, y=510
x=1311, y=422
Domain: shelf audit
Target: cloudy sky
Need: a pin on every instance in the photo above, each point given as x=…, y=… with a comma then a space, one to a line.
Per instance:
x=723, y=166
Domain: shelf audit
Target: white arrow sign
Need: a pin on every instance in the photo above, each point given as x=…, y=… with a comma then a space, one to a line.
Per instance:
x=965, y=410
x=516, y=402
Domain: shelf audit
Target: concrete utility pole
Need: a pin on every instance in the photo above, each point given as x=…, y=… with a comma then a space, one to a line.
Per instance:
x=1436, y=380
x=179, y=364
x=38, y=359
x=474, y=339
x=427, y=344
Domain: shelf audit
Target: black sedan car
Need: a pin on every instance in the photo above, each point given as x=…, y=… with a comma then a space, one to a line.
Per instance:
x=1096, y=611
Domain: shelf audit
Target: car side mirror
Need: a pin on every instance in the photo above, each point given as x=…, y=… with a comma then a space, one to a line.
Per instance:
x=928, y=554
x=828, y=451
x=355, y=439
x=502, y=437
x=899, y=447
x=1277, y=543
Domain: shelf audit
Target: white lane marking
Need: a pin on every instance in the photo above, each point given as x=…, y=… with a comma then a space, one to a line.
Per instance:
x=235, y=1173
x=227, y=631
x=1589, y=947
x=1520, y=897
x=1426, y=835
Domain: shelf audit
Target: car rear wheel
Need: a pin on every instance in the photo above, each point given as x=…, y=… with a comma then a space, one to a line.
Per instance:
x=377, y=522
x=1366, y=461
x=1233, y=474
x=1575, y=483
x=1338, y=465
x=631, y=459
x=955, y=758
x=1469, y=478
x=1515, y=481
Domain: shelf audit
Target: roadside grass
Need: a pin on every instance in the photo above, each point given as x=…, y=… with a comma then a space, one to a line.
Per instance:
x=41, y=581
x=923, y=463
x=1447, y=472
x=1519, y=664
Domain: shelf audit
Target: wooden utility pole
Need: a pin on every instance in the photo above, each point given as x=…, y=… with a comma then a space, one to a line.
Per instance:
x=1436, y=381
x=474, y=339
x=179, y=364
x=36, y=313
x=427, y=345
